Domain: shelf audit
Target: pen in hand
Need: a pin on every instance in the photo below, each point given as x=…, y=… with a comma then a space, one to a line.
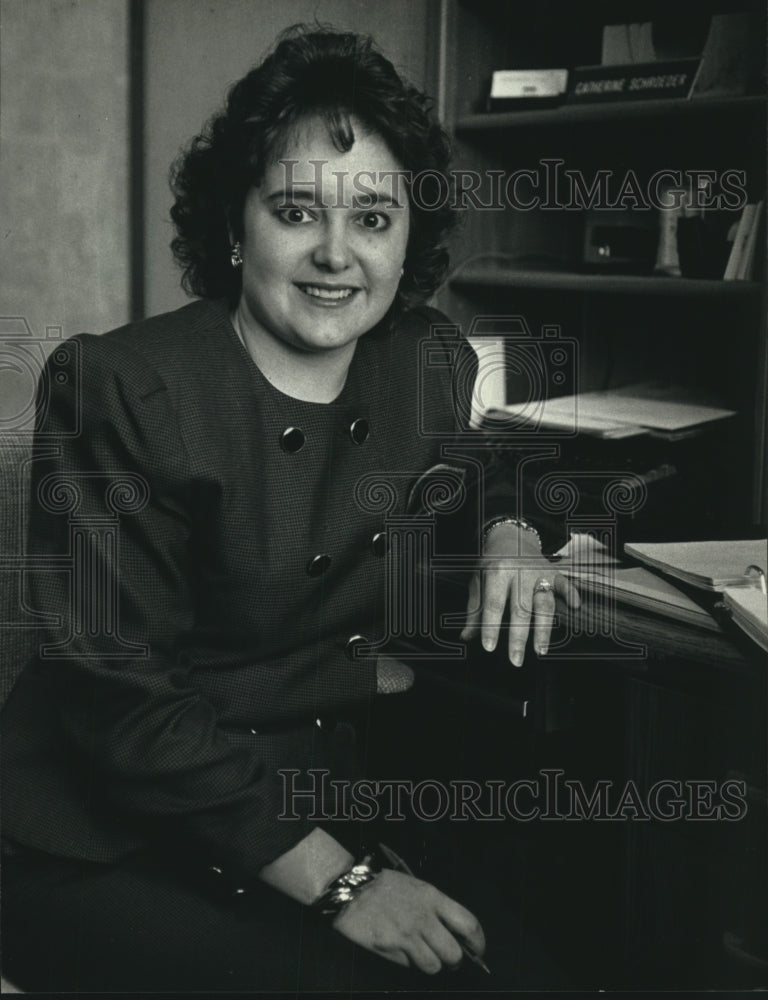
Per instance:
x=399, y=865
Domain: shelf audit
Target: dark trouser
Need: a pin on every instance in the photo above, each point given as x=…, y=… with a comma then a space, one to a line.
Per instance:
x=140, y=926
x=150, y=924
x=72, y=926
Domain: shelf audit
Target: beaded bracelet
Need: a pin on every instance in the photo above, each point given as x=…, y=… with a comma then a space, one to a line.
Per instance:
x=507, y=519
x=347, y=887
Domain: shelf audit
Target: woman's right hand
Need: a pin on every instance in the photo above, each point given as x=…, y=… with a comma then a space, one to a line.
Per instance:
x=410, y=922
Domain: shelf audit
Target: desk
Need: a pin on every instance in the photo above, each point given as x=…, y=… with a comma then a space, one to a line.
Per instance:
x=632, y=902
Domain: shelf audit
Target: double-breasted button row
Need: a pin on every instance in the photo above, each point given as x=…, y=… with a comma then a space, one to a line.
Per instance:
x=380, y=543
x=219, y=875
x=359, y=431
x=321, y=563
x=318, y=565
x=353, y=643
x=293, y=439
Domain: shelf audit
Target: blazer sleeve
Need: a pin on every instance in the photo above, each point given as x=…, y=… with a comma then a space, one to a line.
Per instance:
x=112, y=487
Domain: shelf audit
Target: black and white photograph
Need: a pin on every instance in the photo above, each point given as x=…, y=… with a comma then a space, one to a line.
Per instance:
x=383, y=497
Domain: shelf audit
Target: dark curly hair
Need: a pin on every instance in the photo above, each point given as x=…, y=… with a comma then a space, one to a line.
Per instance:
x=312, y=71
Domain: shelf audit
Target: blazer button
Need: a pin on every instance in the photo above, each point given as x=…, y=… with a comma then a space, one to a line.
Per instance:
x=318, y=565
x=292, y=440
x=359, y=430
x=254, y=732
x=380, y=543
x=352, y=643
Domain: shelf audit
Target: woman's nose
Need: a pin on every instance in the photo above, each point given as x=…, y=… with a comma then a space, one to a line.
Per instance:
x=332, y=251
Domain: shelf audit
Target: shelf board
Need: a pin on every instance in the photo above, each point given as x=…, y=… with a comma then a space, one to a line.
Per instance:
x=501, y=278
x=578, y=114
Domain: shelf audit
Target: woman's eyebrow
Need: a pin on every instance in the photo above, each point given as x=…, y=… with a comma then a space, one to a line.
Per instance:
x=303, y=192
x=364, y=198
x=367, y=198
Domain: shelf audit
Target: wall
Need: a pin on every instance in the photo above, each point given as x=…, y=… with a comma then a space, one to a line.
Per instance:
x=194, y=49
x=63, y=159
x=65, y=156
x=64, y=163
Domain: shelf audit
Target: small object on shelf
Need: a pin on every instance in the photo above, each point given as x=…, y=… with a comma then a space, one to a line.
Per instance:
x=702, y=245
x=747, y=264
x=615, y=240
x=724, y=67
x=633, y=82
x=628, y=43
x=737, y=268
x=670, y=35
x=515, y=89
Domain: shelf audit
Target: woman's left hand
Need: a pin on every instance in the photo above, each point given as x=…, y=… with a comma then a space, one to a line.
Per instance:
x=514, y=571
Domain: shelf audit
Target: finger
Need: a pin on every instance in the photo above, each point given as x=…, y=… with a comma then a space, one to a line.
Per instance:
x=519, y=621
x=461, y=923
x=495, y=595
x=399, y=956
x=473, y=608
x=422, y=956
x=544, y=617
x=443, y=944
x=567, y=590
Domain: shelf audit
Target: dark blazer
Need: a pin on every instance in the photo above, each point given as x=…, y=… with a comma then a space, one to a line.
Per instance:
x=227, y=547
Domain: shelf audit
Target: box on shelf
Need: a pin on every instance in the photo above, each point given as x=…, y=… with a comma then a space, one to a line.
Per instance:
x=517, y=89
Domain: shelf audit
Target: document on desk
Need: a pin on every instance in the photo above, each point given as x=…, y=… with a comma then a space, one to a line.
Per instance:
x=563, y=414
x=640, y=588
x=595, y=571
x=707, y=565
x=653, y=414
x=616, y=414
x=749, y=610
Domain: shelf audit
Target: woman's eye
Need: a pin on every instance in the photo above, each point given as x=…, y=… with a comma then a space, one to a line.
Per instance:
x=294, y=215
x=374, y=220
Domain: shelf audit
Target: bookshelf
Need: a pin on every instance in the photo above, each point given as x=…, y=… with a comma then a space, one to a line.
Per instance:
x=752, y=107
x=682, y=896
x=704, y=332
x=478, y=276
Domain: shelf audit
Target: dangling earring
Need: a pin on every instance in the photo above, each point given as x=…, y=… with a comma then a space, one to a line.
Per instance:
x=236, y=257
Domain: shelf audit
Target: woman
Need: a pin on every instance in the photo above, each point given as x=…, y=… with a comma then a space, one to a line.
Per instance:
x=205, y=481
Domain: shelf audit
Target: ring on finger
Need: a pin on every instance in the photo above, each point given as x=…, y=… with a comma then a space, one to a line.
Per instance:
x=543, y=587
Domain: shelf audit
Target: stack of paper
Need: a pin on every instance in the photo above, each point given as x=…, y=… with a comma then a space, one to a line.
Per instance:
x=615, y=414
x=708, y=565
x=639, y=588
x=595, y=571
x=749, y=609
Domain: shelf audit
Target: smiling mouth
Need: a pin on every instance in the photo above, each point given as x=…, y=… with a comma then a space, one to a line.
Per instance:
x=326, y=293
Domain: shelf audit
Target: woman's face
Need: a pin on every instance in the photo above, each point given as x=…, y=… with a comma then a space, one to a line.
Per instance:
x=324, y=240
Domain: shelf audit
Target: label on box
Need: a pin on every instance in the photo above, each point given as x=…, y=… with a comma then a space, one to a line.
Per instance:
x=524, y=83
